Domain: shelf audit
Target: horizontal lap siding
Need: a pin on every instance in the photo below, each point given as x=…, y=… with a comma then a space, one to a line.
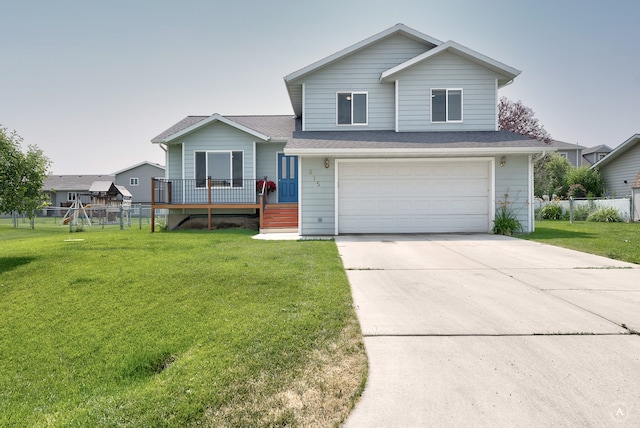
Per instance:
x=266, y=164
x=218, y=136
x=318, y=197
x=512, y=179
x=174, y=161
x=359, y=72
x=447, y=70
x=624, y=167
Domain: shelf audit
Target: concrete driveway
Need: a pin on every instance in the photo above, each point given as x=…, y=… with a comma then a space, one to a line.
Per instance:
x=484, y=330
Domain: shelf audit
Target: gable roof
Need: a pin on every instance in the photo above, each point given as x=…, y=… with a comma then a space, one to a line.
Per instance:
x=509, y=73
x=291, y=80
x=138, y=165
x=73, y=182
x=602, y=148
x=268, y=128
x=618, y=151
x=396, y=29
x=566, y=146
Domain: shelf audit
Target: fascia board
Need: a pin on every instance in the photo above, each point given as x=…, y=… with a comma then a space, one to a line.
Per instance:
x=213, y=118
x=418, y=152
x=398, y=28
x=456, y=48
x=617, y=151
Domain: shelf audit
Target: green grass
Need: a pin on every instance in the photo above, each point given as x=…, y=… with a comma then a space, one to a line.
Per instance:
x=620, y=241
x=129, y=328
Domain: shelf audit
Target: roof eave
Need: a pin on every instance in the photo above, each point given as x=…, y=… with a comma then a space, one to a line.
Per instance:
x=213, y=118
x=400, y=152
x=617, y=151
x=510, y=73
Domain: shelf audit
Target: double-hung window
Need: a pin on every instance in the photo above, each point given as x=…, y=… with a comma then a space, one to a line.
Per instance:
x=446, y=105
x=352, y=108
x=134, y=181
x=224, y=168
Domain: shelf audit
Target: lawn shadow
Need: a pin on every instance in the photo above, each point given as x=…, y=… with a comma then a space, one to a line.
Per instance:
x=10, y=263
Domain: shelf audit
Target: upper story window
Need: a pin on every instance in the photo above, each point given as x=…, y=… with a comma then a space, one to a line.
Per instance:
x=352, y=108
x=134, y=181
x=224, y=168
x=601, y=156
x=446, y=105
x=71, y=196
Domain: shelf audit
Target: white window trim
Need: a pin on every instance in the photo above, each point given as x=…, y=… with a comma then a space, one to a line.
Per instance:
x=447, y=106
x=137, y=181
x=563, y=155
x=71, y=196
x=366, y=106
x=206, y=158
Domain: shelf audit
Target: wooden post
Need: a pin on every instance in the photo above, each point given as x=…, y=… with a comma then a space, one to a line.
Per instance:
x=209, y=190
x=209, y=217
x=169, y=192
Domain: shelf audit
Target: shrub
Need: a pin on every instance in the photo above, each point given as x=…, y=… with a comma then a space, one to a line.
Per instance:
x=551, y=212
x=506, y=221
x=577, y=191
x=589, y=179
x=581, y=212
x=606, y=215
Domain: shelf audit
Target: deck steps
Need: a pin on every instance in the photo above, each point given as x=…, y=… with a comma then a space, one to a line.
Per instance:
x=280, y=216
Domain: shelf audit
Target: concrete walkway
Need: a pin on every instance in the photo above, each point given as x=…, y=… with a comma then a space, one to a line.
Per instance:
x=484, y=330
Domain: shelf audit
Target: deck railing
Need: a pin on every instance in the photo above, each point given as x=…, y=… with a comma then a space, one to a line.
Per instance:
x=204, y=191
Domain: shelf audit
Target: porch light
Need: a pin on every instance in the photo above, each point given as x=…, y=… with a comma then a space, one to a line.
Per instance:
x=503, y=161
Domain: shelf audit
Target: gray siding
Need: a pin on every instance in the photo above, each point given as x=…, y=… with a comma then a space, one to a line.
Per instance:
x=625, y=167
x=266, y=164
x=174, y=161
x=141, y=194
x=358, y=72
x=218, y=136
x=512, y=179
x=317, y=199
x=447, y=71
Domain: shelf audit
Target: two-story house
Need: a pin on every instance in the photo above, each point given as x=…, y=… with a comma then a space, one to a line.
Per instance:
x=395, y=134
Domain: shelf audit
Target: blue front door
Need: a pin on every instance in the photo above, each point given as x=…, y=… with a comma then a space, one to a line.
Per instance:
x=287, y=178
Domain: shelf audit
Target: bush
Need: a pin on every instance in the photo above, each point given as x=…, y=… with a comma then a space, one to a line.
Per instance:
x=581, y=212
x=506, y=220
x=577, y=191
x=606, y=215
x=551, y=212
x=589, y=179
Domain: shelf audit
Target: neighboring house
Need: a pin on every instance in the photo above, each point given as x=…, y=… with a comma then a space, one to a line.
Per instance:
x=591, y=155
x=571, y=152
x=108, y=194
x=64, y=189
x=620, y=171
x=395, y=134
x=137, y=179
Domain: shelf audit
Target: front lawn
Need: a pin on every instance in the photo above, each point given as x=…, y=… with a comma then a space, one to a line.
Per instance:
x=620, y=241
x=113, y=328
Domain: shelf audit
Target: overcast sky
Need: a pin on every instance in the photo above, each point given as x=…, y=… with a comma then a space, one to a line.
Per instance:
x=91, y=82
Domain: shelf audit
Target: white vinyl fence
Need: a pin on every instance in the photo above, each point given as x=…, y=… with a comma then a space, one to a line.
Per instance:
x=622, y=205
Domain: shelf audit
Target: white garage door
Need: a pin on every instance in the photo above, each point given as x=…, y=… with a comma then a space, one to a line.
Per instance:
x=413, y=196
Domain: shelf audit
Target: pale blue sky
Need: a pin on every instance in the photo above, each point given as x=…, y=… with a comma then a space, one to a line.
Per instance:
x=91, y=82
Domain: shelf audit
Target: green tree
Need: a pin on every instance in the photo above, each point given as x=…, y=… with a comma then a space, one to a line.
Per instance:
x=22, y=176
x=552, y=176
x=589, y=178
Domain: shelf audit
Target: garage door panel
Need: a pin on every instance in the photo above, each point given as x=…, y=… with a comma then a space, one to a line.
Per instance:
x=413, y=196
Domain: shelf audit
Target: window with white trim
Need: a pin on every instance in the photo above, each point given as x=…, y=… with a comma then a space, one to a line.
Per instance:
x=352, y=108
x=601, y=156
x=225, y=168
x=563, y=155
x=134, y=181
x=446, y=105
x=71, y=196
